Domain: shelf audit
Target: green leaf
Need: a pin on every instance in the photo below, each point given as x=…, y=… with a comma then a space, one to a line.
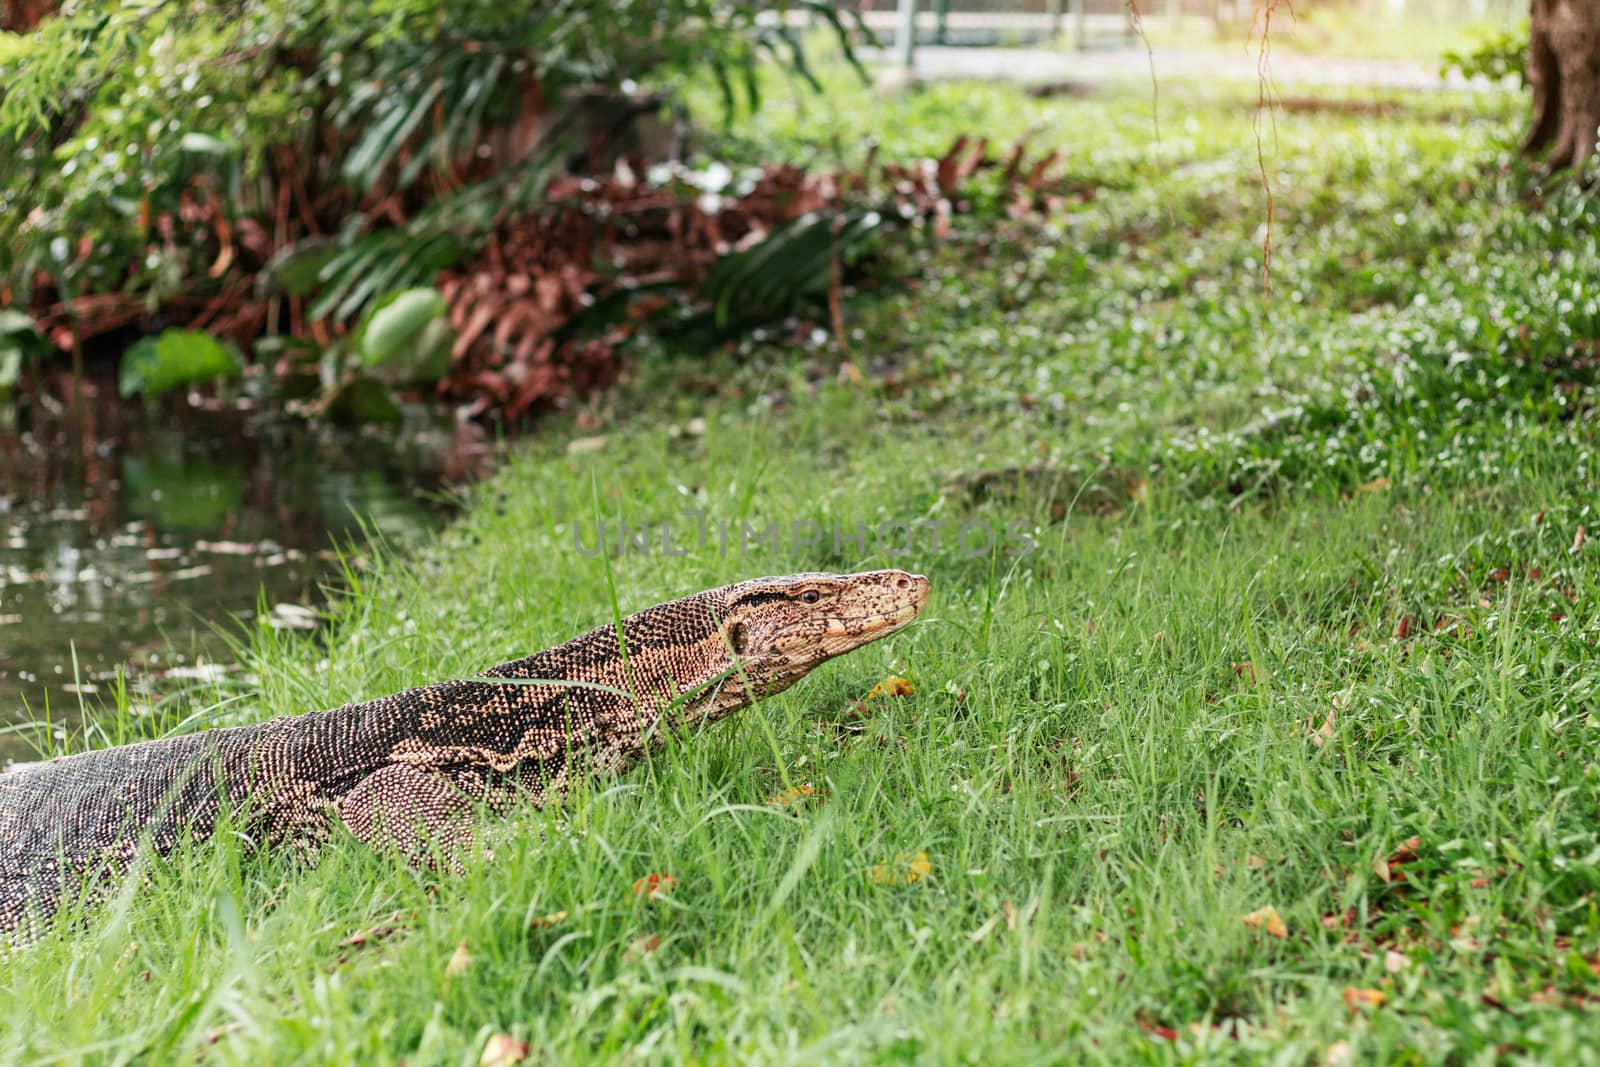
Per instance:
x=296, y=270
x=431, y=355
x=10, y=369
x=20, y=339
x=404, y=336
x=842, y=35
x=14, y=46
x=275, y=345
x=730, y=105
x=797, y=54
x=788, y=265
x=382, y=142
x=20, y=330
x=177, y=358
x=13, y=321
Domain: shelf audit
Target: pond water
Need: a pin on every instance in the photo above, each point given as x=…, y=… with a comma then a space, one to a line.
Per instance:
x=133, y=540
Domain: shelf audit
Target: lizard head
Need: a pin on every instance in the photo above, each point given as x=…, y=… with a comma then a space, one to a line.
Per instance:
x=777, y=629
x=702, y=658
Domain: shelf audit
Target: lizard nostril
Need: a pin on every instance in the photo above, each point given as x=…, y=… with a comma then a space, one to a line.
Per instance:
x=902, y=582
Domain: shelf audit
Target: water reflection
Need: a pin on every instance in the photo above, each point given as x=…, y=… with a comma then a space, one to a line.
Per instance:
x=129, y=537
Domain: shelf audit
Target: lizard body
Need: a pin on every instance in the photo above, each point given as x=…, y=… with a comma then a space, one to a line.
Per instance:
x=405, y=770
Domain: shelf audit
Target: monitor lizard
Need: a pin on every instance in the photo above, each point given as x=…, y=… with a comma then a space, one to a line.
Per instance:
x=407, y=771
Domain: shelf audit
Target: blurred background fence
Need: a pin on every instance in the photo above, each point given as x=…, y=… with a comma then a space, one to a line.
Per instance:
x=1088, y=23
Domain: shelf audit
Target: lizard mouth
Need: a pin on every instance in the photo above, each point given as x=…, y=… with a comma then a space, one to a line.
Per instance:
x=880, y=624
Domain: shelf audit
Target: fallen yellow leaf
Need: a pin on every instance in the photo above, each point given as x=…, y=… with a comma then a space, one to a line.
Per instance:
x=544, y=922
x=1354, y=998
x=906, y=869
x=892, y=686
x=460, y=960
x=1267, y=919
x=794, y=794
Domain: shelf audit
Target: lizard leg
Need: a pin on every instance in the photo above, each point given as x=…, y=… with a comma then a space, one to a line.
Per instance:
x=419, y=813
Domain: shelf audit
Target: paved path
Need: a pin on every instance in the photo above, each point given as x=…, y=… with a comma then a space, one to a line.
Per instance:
x=1044, y=65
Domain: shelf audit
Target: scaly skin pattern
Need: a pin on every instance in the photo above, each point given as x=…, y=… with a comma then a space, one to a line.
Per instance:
x=405, y=771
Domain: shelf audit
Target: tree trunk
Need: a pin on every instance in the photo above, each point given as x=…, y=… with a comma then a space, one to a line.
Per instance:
x=1564, y=71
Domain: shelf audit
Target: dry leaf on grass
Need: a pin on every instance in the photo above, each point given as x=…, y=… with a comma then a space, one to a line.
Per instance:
x=1387, y=868
x=654, y=886
x=1266, y=919
x=390, y=926
x=795, y=794
x=502, y=1050
x=1321, y=735
x=981, y=934
x=372, y=936
x=1482, y=880
x=1355, y=998
x=460, y=960
x=214, y=1036
x=892, y=686
x=906, y=869
x=852, y=713
x=545, y=922
x=1016, y=916
x=1340, y=921
x=1157, y=1030
x=642, y=947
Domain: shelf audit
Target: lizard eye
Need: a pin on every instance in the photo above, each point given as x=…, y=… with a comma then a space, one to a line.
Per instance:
x=810, y=596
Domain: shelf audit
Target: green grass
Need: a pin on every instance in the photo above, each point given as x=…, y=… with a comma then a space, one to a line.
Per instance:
x=1305, y=583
